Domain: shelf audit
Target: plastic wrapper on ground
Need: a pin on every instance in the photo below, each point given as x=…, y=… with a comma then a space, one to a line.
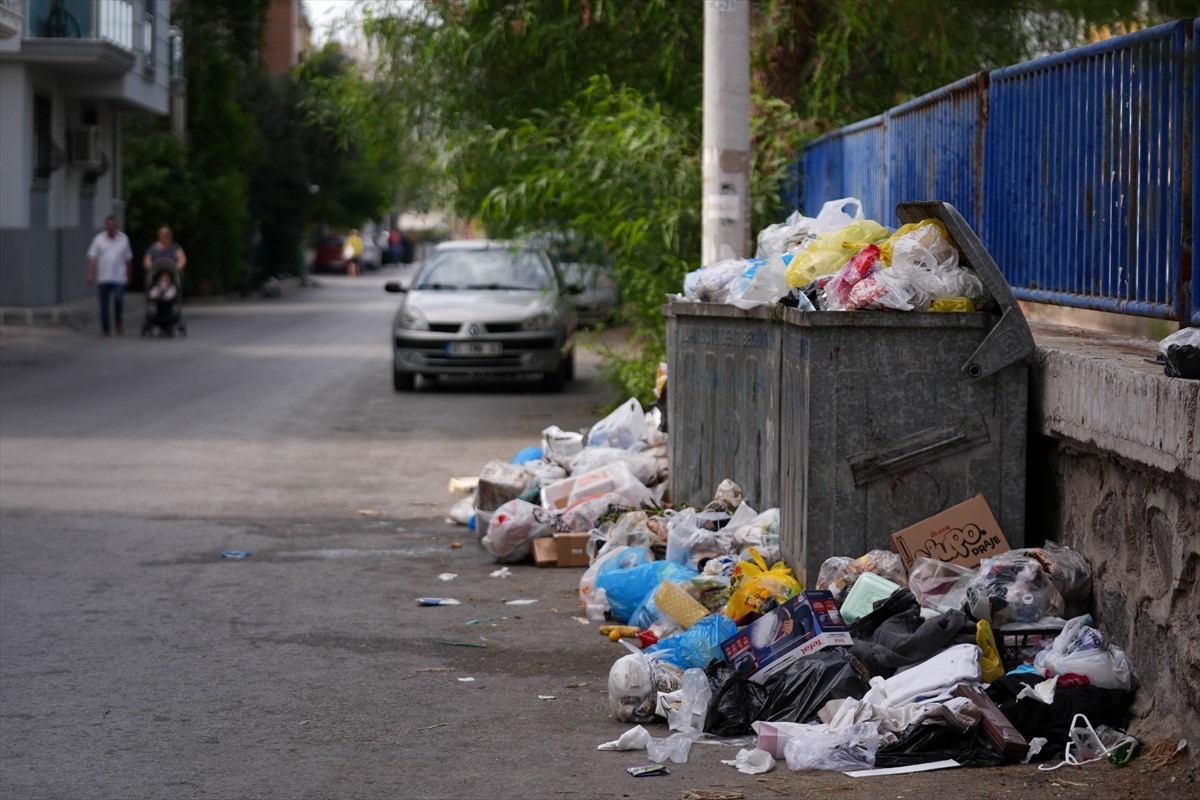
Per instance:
x=842, y=751
x=634, y=682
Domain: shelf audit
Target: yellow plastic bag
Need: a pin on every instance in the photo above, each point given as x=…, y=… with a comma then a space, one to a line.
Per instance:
x=754, y=584
x=830, y=251
x=953, y=304
x=990, y=665
x=926, y=239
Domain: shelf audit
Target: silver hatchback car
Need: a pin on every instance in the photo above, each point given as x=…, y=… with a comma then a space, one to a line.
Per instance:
x=484, y=307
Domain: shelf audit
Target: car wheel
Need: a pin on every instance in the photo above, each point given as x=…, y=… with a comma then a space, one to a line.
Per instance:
x=555, y=381
x=569, y=366
x=403, y=381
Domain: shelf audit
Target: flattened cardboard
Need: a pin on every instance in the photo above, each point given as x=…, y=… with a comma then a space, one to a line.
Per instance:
x=571, y=549
x=806, y=623
x=545, y=552
x=964, y=534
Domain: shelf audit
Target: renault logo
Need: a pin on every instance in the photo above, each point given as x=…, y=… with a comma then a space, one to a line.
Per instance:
x=473, y=330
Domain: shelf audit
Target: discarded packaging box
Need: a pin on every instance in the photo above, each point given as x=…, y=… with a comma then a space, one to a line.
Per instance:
x=616, y=478
x=996, y=726
x=964, y=534
x=545, y=552
x=806, y=623
x=571, y=549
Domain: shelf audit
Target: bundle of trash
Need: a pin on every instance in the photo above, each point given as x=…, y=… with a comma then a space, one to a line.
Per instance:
x=888, y=661
x=876, y=666
x=568, y=484
x=841, y=261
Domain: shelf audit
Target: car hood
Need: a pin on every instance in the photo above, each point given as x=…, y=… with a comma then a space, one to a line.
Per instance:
x=478, y=306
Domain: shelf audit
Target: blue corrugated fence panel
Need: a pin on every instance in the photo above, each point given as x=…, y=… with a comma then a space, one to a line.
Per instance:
x=935, y=148
x=1190, y=152
x=848, y=162
x=1084, y=154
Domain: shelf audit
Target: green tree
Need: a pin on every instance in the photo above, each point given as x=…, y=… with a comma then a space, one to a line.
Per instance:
x=585, y=115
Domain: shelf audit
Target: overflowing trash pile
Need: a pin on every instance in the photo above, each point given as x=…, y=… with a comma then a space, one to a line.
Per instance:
x=879, y=665
x=841, y=261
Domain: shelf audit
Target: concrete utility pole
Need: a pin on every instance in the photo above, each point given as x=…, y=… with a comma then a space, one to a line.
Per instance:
x=725, y=175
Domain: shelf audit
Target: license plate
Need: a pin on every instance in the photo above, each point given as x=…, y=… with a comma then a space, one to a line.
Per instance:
x=473, y=348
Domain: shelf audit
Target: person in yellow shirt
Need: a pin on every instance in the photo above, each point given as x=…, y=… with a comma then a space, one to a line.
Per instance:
x=353, y=252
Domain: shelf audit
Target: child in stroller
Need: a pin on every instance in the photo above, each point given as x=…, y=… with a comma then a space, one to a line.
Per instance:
x=163, y=300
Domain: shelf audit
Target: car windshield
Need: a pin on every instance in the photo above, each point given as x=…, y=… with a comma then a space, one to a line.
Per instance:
x=494, y=269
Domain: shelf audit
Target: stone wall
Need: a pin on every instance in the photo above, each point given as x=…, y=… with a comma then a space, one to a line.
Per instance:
x=1115, y=473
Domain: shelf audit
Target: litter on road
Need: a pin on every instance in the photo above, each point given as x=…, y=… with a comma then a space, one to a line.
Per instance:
x=940, y=645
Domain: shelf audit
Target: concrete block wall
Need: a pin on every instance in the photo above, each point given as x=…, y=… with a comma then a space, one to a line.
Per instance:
x=1114, y=472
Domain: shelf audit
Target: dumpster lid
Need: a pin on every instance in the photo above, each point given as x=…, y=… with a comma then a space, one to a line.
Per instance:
x=1010, y=340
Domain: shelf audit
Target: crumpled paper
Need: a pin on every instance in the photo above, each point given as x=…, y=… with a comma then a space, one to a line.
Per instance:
x=752, y=762
x=633, y=739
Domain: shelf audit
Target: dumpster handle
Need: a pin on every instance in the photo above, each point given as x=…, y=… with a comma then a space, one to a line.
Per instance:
x=958, y=437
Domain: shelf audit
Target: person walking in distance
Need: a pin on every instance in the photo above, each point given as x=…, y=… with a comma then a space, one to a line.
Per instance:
x=163, y=247
x=109, y=260
x=353, y=254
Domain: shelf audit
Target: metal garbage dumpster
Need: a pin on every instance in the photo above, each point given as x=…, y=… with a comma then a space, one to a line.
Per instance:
x=890, y=417
x=723, y=401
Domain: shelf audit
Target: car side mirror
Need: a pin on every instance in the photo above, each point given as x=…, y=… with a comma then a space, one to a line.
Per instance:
x=394, y=287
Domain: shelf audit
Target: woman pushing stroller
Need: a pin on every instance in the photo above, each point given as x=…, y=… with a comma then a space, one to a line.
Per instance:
x=164, y=248
x=164, y=261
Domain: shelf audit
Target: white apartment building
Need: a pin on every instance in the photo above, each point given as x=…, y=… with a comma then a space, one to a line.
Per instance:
x=68, y=70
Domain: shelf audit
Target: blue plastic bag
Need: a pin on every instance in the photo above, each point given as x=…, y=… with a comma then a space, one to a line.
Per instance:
x=698, y=645
x=626, y=589
x=527, y=455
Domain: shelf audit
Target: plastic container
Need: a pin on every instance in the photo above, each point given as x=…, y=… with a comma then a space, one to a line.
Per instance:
x=868, y=589
x=890, y=417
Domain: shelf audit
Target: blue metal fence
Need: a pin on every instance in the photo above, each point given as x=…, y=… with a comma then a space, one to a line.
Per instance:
x=935, y=147
x=1077, y=170
x=851, y=162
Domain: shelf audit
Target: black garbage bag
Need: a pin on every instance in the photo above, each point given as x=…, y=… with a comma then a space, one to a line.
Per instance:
x=924, y=743
x=1034, y=718
x=1183, y=361
x=794, y=694
x=894, y=636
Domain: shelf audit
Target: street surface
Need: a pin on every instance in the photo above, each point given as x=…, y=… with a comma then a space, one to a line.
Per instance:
x=135, y=662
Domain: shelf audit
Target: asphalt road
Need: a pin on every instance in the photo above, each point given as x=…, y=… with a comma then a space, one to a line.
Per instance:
x=136, y=663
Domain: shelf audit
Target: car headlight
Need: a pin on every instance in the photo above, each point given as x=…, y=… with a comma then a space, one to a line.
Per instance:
x=539, y=321
x=412, y=320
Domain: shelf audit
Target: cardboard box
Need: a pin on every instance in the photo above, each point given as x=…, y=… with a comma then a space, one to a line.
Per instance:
x=616, y=478
x=964, y=534
x=571, y=549
x=545, y=552
x=806, y=623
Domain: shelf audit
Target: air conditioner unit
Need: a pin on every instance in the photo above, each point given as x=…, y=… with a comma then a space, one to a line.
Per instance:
x=83, y=144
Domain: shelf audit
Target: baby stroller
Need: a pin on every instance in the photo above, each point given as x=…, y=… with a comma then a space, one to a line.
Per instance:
x=164, y=300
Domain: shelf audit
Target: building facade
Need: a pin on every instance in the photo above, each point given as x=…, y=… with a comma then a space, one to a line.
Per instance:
x=285, y=40
x=69, y=69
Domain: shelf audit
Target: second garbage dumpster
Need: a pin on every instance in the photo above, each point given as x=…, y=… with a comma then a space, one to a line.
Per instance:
x=875, y=420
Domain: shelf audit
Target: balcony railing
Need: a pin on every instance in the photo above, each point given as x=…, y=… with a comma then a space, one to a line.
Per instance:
x=12, y=16
x=109, y=20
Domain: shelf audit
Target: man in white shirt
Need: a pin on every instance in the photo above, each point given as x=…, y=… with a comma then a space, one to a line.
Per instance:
x=109, y=261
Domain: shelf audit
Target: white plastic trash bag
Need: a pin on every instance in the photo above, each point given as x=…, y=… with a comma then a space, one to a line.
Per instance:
x=820, y=748
x=761, y=284
x=625, y=427
x=515, y=525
